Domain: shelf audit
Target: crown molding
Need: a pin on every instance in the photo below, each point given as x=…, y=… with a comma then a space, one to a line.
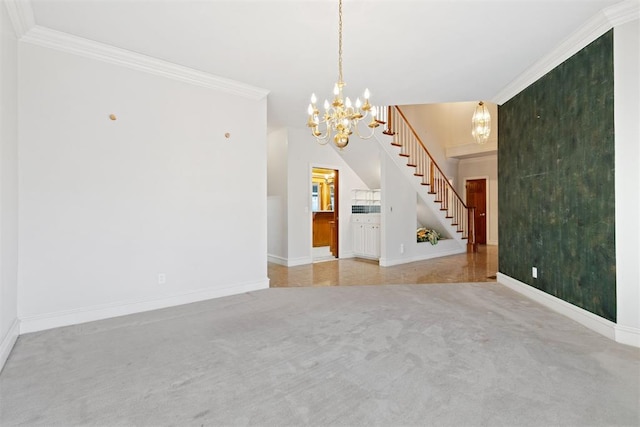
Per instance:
x=467, y=151
x=623, y=12
x=20, y=15
x=603, y=21
x=68, y=43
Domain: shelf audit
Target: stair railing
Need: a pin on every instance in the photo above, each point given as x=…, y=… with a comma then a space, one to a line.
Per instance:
x=418, y=157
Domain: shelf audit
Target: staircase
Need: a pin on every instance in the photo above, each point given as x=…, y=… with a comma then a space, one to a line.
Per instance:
x=431, y=177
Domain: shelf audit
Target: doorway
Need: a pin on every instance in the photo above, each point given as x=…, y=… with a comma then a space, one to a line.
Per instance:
x=325, y=208
x=476, y=190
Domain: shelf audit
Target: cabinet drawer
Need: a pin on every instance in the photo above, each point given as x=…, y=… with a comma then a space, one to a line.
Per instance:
x=372, y=219
x=366, y=219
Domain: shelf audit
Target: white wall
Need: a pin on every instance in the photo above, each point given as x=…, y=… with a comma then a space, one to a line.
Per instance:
x=477, y=168
x=363, y=157
x=399, y=216
x=277, y=164
x=106, y=206
x=398, y=227
x=434, y=126
x=9, y=327
x=305, y=153
x=446, y=131
x=627, y=180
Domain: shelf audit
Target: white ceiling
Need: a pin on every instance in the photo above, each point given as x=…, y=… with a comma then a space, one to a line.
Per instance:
x=406, y=52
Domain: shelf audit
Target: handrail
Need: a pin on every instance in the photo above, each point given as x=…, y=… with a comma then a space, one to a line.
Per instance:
x=412, y=147
x=427, y=151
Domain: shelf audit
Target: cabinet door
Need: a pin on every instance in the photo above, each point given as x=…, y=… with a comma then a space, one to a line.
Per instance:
x=372, y=240
x=376, y=241
x=358, y=238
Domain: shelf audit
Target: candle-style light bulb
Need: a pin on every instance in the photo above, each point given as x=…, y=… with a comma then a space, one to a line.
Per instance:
x=326, y=104
x=310, y=110
x=348, y=102
x=358, y=103
x=336, y=90
x=313, y=98
x=367, y=94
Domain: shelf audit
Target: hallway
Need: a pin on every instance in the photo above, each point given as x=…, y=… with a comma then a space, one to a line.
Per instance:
x=468, y=267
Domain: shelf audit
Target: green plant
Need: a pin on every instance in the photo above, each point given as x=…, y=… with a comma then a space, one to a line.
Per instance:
x=428, y=235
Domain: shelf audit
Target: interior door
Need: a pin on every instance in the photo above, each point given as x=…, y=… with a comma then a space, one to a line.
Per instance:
x=325, y=198
x=477, y=198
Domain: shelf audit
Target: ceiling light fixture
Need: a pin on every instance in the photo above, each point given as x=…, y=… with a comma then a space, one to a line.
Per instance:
x=481, y=124
x=341, y=116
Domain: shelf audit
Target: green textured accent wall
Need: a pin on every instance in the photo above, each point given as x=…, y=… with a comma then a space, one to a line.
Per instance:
x=556, y=182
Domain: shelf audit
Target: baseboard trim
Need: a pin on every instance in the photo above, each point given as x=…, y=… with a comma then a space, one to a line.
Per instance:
x=275, y=259
x=387, y=262
x=8, y=341
x=346, y=255
x=369, y=257
x=106, y=311
x=301, y=261
x=293, y=262
x=628, y=335
x=580, y=315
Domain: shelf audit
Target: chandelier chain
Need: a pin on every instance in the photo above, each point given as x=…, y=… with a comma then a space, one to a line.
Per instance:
x=341, y=117
x=340, y=43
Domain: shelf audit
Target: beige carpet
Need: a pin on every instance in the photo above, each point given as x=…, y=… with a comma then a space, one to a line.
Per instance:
x=459, y=355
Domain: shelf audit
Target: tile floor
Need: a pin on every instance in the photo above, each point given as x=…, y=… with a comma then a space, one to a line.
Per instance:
x=469, y=267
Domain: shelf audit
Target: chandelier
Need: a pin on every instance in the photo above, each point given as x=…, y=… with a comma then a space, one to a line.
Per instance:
x=481, y=124
x=341, y=116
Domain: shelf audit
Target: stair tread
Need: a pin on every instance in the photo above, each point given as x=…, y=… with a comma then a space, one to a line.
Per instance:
x=427, y=169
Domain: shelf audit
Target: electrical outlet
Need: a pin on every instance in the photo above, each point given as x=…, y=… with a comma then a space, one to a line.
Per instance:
x=162, y=279
x=534, y=272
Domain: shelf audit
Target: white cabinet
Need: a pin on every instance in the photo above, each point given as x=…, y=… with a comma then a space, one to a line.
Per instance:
x=372, y=240
x=365, y=202
x=365, y=197
x=358, y=238
x=366, y=235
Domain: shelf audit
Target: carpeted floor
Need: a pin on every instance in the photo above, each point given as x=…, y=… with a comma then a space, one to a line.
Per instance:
x=442, y=355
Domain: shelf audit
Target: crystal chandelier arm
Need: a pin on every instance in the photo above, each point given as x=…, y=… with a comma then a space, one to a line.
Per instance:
x=373, y=124
x=371, y=132
x=322, y=137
